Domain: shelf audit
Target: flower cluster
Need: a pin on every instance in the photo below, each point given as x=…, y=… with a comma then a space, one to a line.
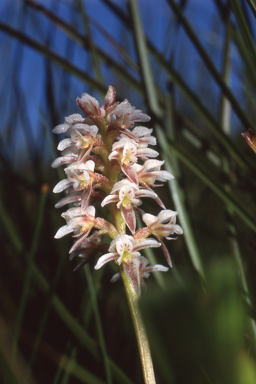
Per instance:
x=108, y=163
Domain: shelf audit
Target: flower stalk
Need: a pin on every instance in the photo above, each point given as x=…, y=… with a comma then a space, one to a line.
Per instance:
x=108, y=163
x=141, y=336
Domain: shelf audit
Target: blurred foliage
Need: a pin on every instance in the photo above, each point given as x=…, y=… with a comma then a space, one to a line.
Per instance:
x=199, y=86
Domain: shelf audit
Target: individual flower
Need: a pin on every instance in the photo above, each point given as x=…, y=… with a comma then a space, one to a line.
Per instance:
x=124, y=116
x=81, y=222
x=124, y=248
x=126, y=152
x=149, y=172
x=137, y=270
x=81, y=177
x=90, y=106
x=127, y=196
x=162, y=226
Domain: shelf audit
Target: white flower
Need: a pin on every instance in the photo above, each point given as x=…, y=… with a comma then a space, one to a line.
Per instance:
x=150, y=171
x=79, y=176
x=124, y=115
x=124, y=248
x=80, y=222
x=163, y=225
x=81, y=136
x=126, y=152
x=90, y=106
x=126, y=195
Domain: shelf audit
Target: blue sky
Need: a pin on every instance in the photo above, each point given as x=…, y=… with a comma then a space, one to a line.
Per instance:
x=25, y=69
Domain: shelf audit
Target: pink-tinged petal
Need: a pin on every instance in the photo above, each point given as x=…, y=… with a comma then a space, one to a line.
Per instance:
x=151, y=165
x=88, y=105
x=149, y=219
x=147, y=152
x=84, y=154
x=86, y=196
x=105, y=259
x=145, y=193
x=90, y=211
x=178, y=230
x=159, y=202
x=61, y=128
x=83, y=129
x=63, y=160
x=130, y=172
x=110, y=97
x=74, y=119
x=166, y=215
x=65, y=143
x=68, y=200
x=109, y=199
x=63, y=184
x=149, y=243
x=166, y=253
x=63, y=231
x=124, y=244
x=132, y=272
x=129, y=135
x=124, y=183
x=163, y=175
x=129, y=218
x=155, y=268
x=113, y=156
x=142, y=131
x=90, y=165
x=79, y=241
x=121, y=143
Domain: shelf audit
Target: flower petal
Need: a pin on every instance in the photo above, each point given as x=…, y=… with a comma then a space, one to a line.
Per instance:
x=63, y=231
x=63, y=184
x=129, y=217
x=105, y=259
x=148, y=243
x=61, y=128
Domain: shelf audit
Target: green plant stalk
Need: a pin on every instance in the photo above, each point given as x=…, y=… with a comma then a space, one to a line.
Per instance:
x=142, y=340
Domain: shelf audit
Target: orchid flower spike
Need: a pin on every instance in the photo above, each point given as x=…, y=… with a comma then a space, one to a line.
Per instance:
x=109, y=164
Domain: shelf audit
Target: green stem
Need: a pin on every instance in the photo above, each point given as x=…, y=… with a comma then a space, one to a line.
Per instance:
x=142, y=340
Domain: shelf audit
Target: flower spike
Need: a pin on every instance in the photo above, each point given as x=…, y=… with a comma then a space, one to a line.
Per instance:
x=109, y=164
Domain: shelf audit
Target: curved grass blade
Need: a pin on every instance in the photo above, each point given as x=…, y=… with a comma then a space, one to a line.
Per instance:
x=252, y=5
x=209, y=64
x=176, y=191
x=153, y=103
x=47, y=52
x=225, y=119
